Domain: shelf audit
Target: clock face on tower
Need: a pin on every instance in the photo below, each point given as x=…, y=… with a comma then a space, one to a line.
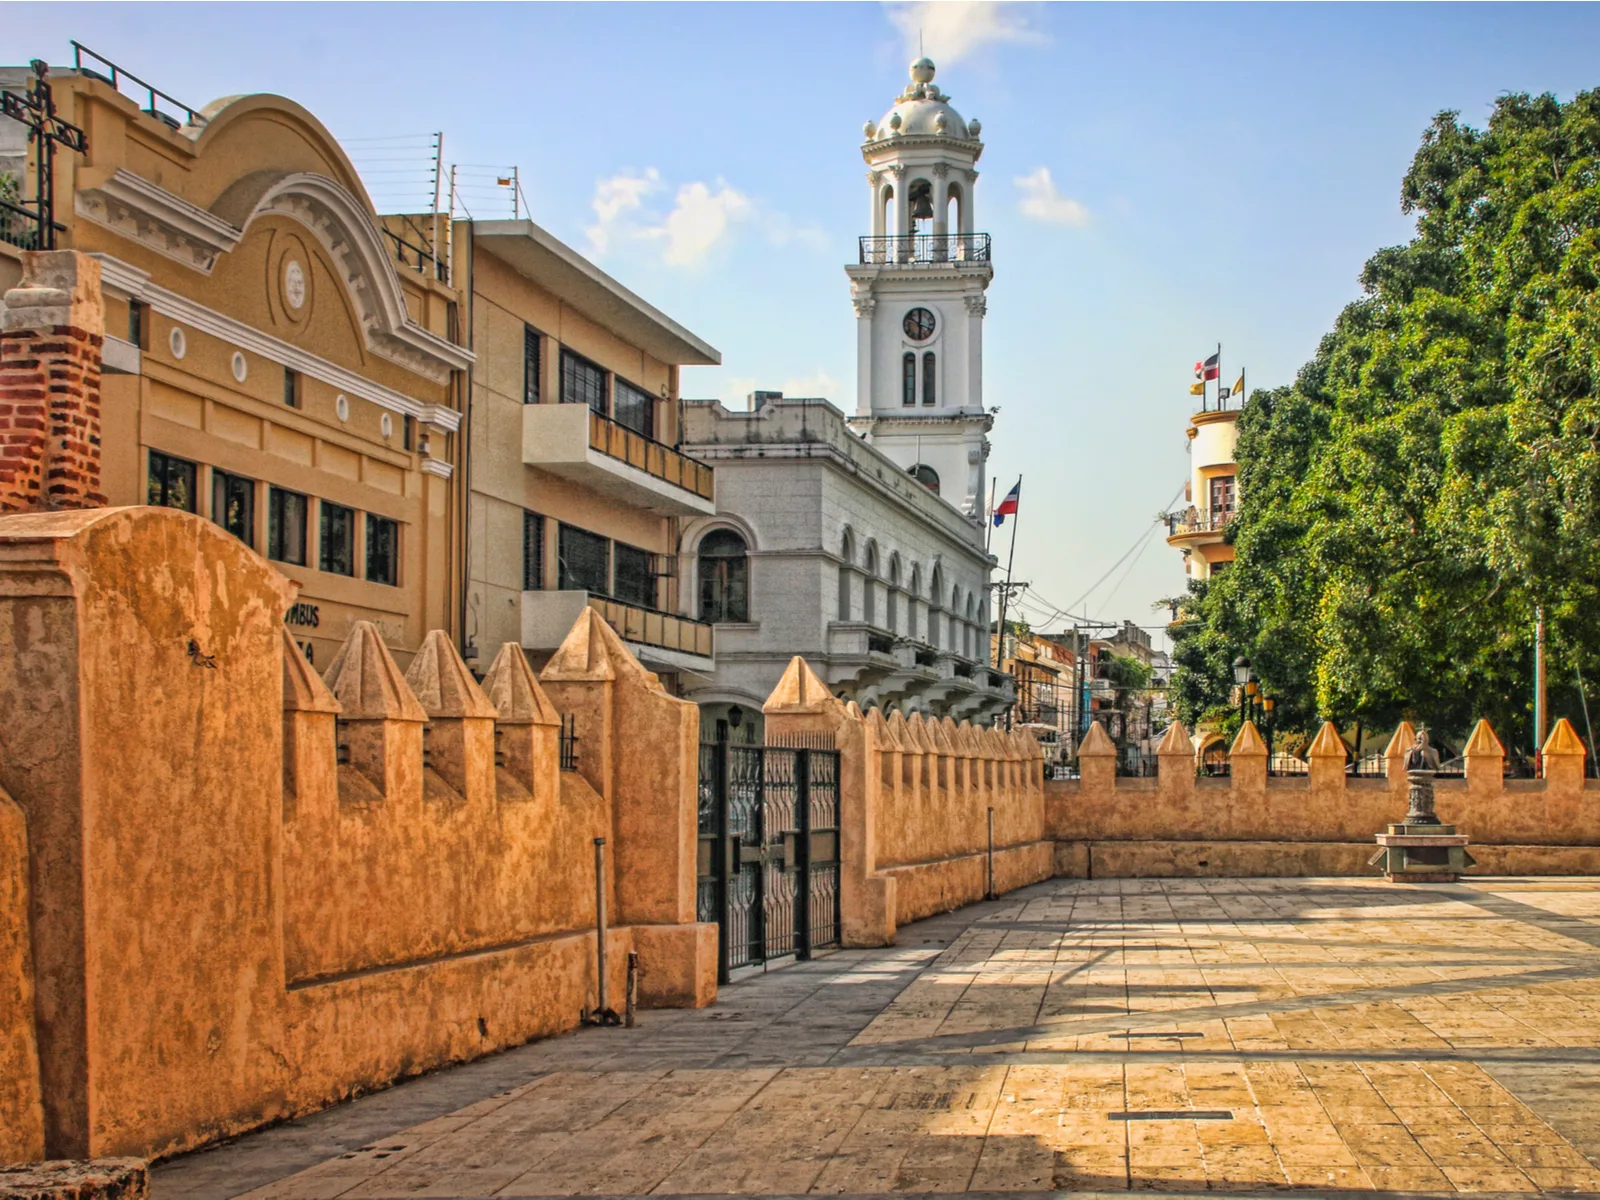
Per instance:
x=919, y=324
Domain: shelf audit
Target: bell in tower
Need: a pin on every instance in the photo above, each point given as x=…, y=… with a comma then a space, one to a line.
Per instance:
x=919, y=287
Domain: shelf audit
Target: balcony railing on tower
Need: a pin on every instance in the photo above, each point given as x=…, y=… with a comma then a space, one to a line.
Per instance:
x=925, y=249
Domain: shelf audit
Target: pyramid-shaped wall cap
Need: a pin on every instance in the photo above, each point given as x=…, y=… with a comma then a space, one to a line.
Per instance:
x=1097, y=743
x=1564, y=739
x=1027, y=746
x=1328, y=744
x=514, y=690
x=894, y=730
x=966, y=740
x=365, y=680
x=800, y=690
x=303, y=689
x=1404, y=735
x=1176, y=741
x=443, y=684
x=1248, y=743
x=1483, y=742
x=852, y=709
x=590, y=653
x=940, y=737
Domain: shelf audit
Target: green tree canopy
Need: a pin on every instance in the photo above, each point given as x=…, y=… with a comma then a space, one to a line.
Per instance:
x=1432, y=478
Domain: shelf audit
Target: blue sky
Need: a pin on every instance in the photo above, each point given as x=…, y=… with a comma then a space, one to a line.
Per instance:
x=1215, y=173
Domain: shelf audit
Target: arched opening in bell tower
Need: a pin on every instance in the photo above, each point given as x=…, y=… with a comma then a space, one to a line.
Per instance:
x=921, y=197
x=955, y=210
x=885, y=212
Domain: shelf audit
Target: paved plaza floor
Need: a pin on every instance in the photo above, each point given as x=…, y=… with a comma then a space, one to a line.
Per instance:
x=1175, y=1035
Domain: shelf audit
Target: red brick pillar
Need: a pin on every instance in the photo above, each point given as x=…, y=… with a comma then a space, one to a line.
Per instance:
x=52, y=328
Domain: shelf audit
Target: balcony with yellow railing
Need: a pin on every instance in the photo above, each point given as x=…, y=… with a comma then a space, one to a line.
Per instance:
x=577, y=443
x=660, y=639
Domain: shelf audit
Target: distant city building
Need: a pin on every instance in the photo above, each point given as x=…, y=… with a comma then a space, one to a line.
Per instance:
x=1211, y=495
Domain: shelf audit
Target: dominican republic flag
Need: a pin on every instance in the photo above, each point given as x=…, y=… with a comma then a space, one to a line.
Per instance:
x=1008, y=506
x=1209, y=369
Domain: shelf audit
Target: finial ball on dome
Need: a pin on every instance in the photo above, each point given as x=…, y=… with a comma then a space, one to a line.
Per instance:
x=870, y=129
x=922, y=70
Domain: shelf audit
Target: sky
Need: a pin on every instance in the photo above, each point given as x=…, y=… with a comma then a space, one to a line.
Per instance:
x=1157, y=179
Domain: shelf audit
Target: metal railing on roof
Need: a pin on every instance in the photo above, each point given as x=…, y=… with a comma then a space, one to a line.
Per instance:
x=116, y=76
x=925, y=249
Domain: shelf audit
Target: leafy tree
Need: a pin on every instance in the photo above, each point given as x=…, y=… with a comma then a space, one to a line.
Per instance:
x=1432, y=478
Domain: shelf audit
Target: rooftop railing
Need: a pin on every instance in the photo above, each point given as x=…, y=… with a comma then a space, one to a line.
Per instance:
x=925, y=249
x=1203, y=523
x=650, y=456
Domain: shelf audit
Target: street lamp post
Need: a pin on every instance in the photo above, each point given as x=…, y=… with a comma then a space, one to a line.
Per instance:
x=1242, y=676
x=1267, y=705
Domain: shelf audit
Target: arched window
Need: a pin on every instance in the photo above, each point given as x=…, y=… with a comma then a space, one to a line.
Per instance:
x=908, y=379
x=869, y=586
x=847, y=551
x=724, y=577
x=935, y=605
x=929, y=375
x=911, y=599
x=972, y=627
x=894, y=594
x=926, y=476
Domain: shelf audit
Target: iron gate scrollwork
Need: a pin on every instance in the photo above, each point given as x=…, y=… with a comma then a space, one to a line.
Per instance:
x=769, y=850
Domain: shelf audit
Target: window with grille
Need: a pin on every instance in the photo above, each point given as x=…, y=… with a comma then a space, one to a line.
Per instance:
x=233, y=505
x=584, y=560
x=338, y=541
x=908, y=379
x=724, y=577
x=532, y=552
x=286, y=526
x=171, y=482
x=383, y=550
x=633, y=408
x=582, y=382
x=530, y=365
x=635, y=576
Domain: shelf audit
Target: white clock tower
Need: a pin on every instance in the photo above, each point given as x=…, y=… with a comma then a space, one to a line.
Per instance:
x=919, y=295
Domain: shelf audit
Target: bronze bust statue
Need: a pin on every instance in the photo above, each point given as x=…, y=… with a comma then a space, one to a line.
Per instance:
x=1421, y=756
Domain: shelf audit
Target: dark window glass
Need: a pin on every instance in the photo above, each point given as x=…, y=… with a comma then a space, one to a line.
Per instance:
x=171, y=482
x=338, y=554
x=291, y=387
x=530, y=365
x=633, y=408
x=585, y=561
x=927, y=477
x=724, y=577
x=286, y=526
x=532, y=552
x=582, y=382
x=928, y=377
x=136, y=323
x=383, y=550
x=409, y=432
x=635, y=576
x=233, y=505
x=908, y=379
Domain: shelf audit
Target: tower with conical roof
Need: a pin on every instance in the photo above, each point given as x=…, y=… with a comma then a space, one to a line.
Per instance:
x=919, y=289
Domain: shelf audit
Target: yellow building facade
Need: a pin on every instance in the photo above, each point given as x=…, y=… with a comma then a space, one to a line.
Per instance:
x=577, y=490
x=1211, y=495
x=269, y=364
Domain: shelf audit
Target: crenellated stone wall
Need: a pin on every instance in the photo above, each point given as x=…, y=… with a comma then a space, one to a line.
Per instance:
x=1320, y=823
x=915, y=798
x=255, y=890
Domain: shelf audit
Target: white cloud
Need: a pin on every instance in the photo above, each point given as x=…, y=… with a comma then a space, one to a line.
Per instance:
x=1042, y=202
x=950, y=30
x=615, y=199
x=699, y=221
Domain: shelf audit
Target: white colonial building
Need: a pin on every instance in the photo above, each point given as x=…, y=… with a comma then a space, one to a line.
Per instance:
x=824, y=546
x=859, y=542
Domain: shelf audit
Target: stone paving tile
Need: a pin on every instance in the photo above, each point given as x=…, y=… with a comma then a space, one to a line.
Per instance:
x=1359, y=1036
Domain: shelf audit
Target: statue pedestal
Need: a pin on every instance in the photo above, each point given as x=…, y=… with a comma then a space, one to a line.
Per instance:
x=1422, y=854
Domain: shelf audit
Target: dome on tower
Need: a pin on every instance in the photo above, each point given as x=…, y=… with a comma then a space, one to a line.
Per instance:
x=922, y=110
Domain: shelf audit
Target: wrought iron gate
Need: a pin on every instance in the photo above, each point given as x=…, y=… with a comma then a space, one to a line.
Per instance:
x=769, y=850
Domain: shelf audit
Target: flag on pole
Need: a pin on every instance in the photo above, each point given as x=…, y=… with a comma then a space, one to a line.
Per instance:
x=1238, y=388
x=1209, y=369
x=1197, y=389
x=1008, y=506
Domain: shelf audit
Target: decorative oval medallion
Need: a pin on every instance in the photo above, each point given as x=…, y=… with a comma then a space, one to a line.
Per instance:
x=179, y=343
x=240, y=367
x=341, y=405
x=294, y=285
x=387, y=425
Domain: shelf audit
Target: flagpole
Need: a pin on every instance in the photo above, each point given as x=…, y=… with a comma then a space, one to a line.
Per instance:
x=1005, y=596
x=1219, y=376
